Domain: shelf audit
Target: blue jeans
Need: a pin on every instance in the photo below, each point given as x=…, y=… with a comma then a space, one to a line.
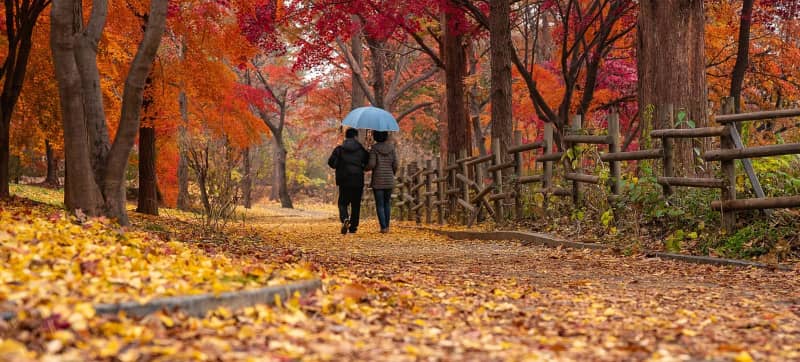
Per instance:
x=383, y=204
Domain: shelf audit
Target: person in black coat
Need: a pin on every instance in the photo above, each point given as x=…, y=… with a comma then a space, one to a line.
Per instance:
x=349, y=160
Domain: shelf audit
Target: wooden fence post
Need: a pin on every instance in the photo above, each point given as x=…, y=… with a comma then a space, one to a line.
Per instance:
x=577, y=124
x=517, y=175
x=614, y=147
x=547, y=173
x=728, y=170
x=410, y=169
x=401, y=192
x=452, y=185
x=428, y=191
x=497, y=181
x=666, y=115
x=441, y=187
x=417, y=191
x=464, y=186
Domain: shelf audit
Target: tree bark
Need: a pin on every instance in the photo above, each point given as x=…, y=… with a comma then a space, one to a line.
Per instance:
x=357, y=96
x=51, y=177
x=184, y=203
x=742, y=53
x=378, y=62
x=500, y=36
x=458, y=127
x=148, y=187
x=81, y=191
x=279, y=173
x=247, y=179
x=74, y=57
x=4, y=158
x=670, y=50
x=476, y=105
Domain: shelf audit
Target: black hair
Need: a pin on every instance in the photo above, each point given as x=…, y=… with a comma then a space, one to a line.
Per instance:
x=351, y=133
x=380, y=136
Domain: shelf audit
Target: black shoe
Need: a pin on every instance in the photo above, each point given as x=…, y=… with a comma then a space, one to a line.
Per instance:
x=353, y=231
x=345, y=226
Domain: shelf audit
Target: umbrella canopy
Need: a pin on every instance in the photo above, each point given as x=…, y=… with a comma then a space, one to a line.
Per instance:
x=372, y=118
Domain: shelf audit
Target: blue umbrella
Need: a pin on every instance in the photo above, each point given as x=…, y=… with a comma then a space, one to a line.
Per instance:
x=372, y=118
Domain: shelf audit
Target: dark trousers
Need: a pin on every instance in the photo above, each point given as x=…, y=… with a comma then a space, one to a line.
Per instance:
x=383, y=206
x=350, y=196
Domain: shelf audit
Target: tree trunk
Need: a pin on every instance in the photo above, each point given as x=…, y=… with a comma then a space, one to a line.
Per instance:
x=247, y=179
x=476, y=105
x=458, y=127
x=378, y=82
x=19, y=25
x=202, y=178
x=357, y=96
x=184, y=203
x=74, y=58
x=500, y=36
x=148, y=188
x=441, y=127
x=51, y=177
x=279, y=173
x=671, y=70
x=743, y=50
x=4, y=158
x=81, y=191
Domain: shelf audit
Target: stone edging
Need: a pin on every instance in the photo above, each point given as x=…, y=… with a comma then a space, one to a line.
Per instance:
x=198, y=305
x=528, y=238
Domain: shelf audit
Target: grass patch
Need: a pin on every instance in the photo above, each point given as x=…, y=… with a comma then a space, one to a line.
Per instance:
x=54, y=197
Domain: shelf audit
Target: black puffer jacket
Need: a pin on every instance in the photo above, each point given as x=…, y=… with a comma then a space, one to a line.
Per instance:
x=383, y=163
x=349, y=159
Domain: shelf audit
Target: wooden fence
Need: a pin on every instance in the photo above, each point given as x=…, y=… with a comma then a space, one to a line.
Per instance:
x=464, y=187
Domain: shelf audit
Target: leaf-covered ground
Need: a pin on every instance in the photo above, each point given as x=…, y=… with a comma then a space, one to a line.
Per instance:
x=411, y=295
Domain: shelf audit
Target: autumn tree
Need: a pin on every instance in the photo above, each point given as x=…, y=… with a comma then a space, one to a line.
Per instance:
x=273, y=92
x=95, y=167
x=588, y=31
x=18, y=26
x=37, y=119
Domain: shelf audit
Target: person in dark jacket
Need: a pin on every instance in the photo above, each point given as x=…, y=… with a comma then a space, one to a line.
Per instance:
x=349, y=159
x=383, y=163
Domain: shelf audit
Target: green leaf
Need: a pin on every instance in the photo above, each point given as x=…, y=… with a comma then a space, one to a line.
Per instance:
x=681, y=116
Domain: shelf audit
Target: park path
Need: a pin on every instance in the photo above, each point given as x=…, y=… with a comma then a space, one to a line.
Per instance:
x=424, y=296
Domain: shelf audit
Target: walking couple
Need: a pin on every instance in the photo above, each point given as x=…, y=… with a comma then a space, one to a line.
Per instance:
x=351, y=160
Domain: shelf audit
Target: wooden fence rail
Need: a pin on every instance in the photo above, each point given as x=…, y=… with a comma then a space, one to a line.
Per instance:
x=471, y=188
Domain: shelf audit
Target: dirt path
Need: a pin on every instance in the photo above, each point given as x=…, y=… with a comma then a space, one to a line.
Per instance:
x=430, y=297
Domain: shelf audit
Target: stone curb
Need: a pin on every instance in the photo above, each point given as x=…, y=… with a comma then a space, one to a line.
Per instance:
x=528, y=238
x=198, y=305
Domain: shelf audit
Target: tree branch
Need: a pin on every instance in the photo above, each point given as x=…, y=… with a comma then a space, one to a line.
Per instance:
x=392, y=97
x=413, y=109
x=357, y=72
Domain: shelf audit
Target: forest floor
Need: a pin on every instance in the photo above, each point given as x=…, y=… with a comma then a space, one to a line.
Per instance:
x=412, y=295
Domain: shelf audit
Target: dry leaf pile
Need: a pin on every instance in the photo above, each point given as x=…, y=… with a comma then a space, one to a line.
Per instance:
x=411, y=295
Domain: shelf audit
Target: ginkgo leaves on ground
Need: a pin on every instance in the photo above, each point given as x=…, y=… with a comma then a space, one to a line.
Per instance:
x=411, y=295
